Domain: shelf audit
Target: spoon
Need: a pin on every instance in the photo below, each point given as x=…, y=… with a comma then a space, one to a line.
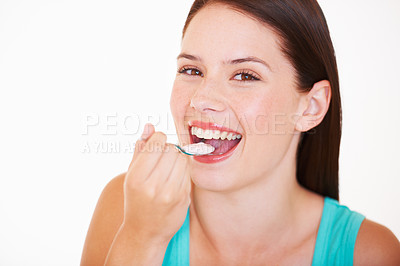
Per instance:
x=197, y=149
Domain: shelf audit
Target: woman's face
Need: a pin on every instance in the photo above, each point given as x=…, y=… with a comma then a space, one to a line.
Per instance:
x=254, y=97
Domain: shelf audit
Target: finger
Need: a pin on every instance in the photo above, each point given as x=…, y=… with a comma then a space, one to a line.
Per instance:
x=147, y=131
x=176, y=175
x=149, y=155
x=139, y=145
x=165, y=166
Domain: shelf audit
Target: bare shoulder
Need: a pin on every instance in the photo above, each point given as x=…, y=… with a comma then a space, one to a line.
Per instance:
x=376, y=245
x=107, y=218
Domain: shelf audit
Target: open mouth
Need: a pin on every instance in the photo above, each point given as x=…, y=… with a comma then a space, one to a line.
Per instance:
x=222, y=140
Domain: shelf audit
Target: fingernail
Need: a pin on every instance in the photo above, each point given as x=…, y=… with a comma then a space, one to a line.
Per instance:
x=146, y=132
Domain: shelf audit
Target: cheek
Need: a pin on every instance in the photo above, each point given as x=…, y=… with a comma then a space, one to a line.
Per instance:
x=272, y=114
x=268, y=123
x=180, y=99
x=255, y=113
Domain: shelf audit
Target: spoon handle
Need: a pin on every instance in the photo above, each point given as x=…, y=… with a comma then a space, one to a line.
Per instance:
x=191, y=154
x=181, y=150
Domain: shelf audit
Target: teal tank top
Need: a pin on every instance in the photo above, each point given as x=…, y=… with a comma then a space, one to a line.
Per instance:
x=335, y=242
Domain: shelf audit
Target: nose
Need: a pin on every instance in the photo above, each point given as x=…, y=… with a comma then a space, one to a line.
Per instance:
x=206, y=99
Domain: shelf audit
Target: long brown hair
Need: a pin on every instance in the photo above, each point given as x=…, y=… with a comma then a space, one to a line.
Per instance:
x=306, y=42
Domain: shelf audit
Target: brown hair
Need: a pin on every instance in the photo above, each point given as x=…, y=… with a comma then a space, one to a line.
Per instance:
x=306, y=42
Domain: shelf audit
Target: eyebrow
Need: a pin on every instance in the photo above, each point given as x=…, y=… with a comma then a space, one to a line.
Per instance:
x=231, y=62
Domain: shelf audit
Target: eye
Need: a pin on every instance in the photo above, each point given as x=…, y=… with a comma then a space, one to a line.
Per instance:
x=190, y=71
x=245, y=75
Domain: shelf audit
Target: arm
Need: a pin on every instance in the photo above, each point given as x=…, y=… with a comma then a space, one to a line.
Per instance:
x=108, y=235
x=106, y=221
x=376, y=245
x=140, y=211
x=127, y=249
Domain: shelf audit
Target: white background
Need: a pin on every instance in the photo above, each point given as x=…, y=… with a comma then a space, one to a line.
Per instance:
x=66, y=64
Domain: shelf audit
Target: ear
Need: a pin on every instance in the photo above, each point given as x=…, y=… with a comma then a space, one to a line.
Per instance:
x=314, y=106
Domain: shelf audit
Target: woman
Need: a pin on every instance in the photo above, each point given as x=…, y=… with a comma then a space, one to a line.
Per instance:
x=258, y=81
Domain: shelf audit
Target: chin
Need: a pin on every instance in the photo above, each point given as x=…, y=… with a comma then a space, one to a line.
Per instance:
x=212, y=180
x=209, y=180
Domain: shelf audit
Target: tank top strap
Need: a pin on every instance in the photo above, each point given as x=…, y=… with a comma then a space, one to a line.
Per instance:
x=177, y=253
x=337, y=234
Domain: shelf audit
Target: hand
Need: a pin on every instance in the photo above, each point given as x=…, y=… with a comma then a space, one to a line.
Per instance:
x=156, y=189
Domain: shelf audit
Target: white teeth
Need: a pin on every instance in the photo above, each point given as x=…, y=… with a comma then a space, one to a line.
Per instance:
x=214, y=134
x=207, y=134
x=223, y=135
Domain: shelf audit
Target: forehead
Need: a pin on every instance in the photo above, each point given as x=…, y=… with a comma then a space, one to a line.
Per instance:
x=218, y=31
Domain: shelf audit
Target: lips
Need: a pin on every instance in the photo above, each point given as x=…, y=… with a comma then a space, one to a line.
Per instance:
x=223, y=139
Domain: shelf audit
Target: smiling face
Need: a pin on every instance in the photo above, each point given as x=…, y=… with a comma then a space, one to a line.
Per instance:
x=232, y=72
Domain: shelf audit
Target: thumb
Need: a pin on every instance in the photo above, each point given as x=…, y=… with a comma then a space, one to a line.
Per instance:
x=147, y=132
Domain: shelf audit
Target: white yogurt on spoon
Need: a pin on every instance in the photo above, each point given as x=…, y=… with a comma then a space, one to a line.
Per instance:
x=200, y=148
